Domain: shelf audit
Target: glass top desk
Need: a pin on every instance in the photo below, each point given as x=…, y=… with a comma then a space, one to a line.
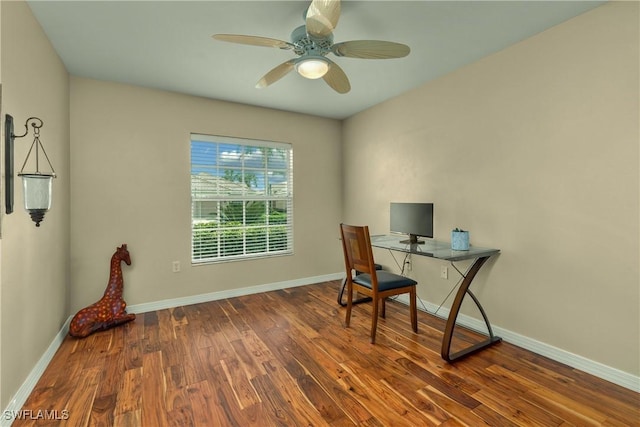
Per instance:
x=442, y=250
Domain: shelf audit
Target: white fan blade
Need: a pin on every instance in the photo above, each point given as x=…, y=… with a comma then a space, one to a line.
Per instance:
x=370, y=49
x=253, y=40
x=276, y=74
x=336, y=78
x=322, y=17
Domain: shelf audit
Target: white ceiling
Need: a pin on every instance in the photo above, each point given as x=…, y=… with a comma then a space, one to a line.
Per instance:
x=168, y=45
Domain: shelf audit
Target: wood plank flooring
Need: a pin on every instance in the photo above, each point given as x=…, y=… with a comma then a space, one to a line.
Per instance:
x=283, y=358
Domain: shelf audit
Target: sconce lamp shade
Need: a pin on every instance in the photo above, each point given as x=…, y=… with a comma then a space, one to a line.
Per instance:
x=37, y=195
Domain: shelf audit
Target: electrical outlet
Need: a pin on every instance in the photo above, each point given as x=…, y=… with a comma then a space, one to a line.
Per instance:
x=408, y=263
x=176, y=266
x=444, y=272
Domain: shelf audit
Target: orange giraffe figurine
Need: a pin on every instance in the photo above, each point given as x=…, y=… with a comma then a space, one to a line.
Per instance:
x=110, y=310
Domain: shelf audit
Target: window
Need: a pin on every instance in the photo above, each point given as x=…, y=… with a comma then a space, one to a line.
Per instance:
x=241, y=198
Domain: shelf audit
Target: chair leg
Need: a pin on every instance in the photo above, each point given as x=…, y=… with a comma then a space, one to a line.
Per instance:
x=347, y=319
x=383, y=313
x=374, y=320
x=414, y=309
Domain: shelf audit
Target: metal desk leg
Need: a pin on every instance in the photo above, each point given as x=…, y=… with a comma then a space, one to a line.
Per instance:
x=453, y=315
x=355, y=301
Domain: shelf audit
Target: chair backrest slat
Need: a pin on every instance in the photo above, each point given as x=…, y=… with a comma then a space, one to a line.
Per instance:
x=356, y=244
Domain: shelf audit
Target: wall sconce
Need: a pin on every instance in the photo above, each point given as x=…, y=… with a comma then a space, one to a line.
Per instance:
x=36, y=185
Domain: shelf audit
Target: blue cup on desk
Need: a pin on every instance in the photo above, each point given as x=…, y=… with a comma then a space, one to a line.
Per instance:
x=459, y=240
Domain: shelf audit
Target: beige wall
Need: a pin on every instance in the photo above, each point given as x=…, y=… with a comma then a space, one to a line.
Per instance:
x=131, y=184
x=34, y=266
x=535, y=151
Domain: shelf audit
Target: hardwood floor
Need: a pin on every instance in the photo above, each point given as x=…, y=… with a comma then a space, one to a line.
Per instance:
x=283, y=358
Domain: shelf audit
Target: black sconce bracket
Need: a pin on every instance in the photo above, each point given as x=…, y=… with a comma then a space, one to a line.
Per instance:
x=8, y=163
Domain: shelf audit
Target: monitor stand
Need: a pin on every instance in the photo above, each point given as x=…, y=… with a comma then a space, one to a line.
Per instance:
x=413, y=240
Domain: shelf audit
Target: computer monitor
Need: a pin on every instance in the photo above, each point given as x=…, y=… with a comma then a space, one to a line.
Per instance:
x=414, y=219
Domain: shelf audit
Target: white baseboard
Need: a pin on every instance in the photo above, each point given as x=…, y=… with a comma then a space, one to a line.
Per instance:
x=594, y=368
x=214, y=296
x=597, y=369
x=17, y=402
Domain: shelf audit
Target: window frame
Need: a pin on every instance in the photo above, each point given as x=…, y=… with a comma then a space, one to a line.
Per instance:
x=230, y=182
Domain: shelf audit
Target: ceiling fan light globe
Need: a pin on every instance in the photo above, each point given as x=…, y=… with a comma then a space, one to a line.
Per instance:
x=312, y=68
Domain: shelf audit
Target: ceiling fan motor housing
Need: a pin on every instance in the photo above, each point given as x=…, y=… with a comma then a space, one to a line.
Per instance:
x=305, y=44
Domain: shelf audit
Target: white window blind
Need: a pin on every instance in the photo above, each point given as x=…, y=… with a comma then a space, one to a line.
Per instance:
x=241, y=198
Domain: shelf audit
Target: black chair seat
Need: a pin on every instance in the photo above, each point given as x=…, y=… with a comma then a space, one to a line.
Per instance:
x=356, y=301
x=386, y=280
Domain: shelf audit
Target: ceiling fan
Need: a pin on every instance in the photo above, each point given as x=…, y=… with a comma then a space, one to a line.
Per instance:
x=313, y=41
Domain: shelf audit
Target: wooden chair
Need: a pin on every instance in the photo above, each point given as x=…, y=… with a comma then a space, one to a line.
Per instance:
x=358, y=256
